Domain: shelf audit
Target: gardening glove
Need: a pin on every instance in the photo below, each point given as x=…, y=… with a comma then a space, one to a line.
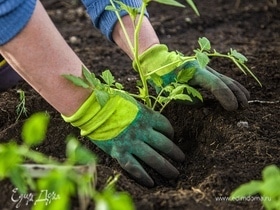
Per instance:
x=128, y=131
x=227, y=91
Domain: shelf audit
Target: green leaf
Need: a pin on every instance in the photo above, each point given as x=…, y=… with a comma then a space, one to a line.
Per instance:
x=163, y=99
x=132, y=11
x=185, y=75
x=102, y=97
x=250, y=188
x=270, y=172
x=35, y=128
x=76, y=80
x=271, y=178
x=59, y=183
x=108, y=77
x=170, y=2
x=109, y=198
x=168, y=88
x=157, y=80
x=204, y=44
x=111, y=8
x=178, y=90
x=119, y=86
x=271, y=187
x=77, y=153
x=141, y=92
x=90, y=77
x=183, y=97
x=194, y=92
x=202, y=59
x=17, y=177
x=192, y=5
x=240, y=57
x=9, y=153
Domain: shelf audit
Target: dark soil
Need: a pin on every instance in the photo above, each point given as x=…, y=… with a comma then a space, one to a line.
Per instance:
x=220, y=155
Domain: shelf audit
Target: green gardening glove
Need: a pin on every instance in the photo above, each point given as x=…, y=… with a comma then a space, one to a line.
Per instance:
x=227, y=91
x=127, y=130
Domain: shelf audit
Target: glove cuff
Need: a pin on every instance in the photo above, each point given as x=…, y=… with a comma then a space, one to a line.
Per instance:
x=106, y=122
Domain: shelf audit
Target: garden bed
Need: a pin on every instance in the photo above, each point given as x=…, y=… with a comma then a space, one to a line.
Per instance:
x=220, y=154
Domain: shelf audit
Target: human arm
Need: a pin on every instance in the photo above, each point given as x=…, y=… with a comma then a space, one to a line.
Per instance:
x=41, y=56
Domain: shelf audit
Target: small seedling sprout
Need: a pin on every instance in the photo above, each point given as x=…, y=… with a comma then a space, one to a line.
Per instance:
x=21, y=107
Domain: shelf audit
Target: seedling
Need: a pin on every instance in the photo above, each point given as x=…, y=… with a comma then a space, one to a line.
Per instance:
x=268, y=188
x=202, y=55
x=54, y=182
x=177, y=90
x=21, y=107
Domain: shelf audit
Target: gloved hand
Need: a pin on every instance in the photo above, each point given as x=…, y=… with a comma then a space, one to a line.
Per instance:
x=127, y=130
x=227, y=91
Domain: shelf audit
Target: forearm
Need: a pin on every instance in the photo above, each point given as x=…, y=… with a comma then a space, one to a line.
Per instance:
x=40, y=55
x=107, y=22
x=147, y=36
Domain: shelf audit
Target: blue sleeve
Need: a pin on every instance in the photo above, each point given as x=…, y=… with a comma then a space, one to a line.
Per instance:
x=14, y=15
x=105, y=20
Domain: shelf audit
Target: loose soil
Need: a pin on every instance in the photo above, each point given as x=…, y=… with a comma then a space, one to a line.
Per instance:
x=220, y=155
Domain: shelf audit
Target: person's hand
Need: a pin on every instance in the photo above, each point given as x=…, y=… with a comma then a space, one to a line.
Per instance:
x=128, y=131
x=227, y=91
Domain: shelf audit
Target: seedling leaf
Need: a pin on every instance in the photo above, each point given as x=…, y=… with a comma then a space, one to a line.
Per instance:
x=202, y=59
x=76, y=80
x=119, y=86
x=90, y=77
x=185, y=75
x=132, y=11
x=9, y=153
x=108, y=77
x=77, y=153
x=170, y=2
x=240, y=57
x=157, y=80
x=17, y=178
x=35, y=128
x=250, y=188
x=192, y=5
x=182, y=97
x=270, y=171
x=195, y=93
x=111, y=8
x=204, y=44
x=101, y=96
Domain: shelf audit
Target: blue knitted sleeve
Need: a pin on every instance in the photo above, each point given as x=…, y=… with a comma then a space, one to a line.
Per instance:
x=105, y=20
x=14, y=15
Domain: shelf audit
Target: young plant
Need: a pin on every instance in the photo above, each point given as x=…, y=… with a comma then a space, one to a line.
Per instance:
x=102, y=89
x=178, y=90
x=268, y=188
x=54, y=182
x=21, y=107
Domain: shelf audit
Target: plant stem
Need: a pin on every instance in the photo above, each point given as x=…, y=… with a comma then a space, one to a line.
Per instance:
x=136, y=56
x=35, y=156
x=135, y=47
x=240, y=65
x=122, y=26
